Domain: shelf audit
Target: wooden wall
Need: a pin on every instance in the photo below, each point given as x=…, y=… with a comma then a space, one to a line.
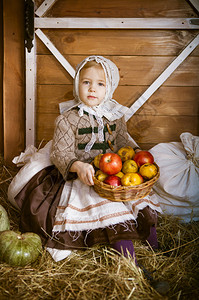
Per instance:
x=141, y=55
x=1, y=78
x=12, y=102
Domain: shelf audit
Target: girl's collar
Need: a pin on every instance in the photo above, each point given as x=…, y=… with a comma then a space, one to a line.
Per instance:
x=110, y=109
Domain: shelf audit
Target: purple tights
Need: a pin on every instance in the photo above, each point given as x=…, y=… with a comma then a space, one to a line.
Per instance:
x=152, y=239
x=126, y=247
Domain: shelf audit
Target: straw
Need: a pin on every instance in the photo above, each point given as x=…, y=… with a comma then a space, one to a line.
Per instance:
x=99, y=272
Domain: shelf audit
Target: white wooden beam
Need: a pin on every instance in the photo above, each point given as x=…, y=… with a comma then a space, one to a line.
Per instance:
x=44, y=7
x=163, y=77
x=30, y=95
x=55, y=52
x=116, y=23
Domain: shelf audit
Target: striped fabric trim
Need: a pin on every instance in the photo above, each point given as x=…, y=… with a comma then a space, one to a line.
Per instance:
x=88, y=130
x=107, y=217
x=144, y=200
x=105, y=202
x=97, y=146
x=88, y=207
x=85, y=208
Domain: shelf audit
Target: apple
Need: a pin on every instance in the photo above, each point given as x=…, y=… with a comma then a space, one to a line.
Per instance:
x=148, y=171
x=100, y=175
x=113, y=180
x=110, y=163
x=126, y=153
x=143, y=157
x=97, y=160
x=131, y=179
x=129, y=166
x=120, y=174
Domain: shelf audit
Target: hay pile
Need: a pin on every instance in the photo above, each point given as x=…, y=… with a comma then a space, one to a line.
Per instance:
x=99, y=273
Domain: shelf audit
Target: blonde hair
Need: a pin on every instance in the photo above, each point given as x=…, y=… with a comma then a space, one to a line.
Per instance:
x=92, y=63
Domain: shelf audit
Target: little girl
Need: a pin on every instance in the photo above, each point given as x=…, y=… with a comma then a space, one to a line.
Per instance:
x=54, y=190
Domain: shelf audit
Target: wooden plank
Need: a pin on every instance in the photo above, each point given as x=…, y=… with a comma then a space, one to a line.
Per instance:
x=13, y=84
x=164, y=76
x=55, y=52
x=172, y=101
x=1, y=78
x=45, y=127
x=144, y=129
x=134, y=70
x=165, y=101
x=119, y=9
x=49, y=96
x=161, y=129
x=137, y=42
x=117, y=23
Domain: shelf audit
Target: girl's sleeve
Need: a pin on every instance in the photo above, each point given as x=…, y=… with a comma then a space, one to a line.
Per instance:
x=63, y=147
x=123, y=137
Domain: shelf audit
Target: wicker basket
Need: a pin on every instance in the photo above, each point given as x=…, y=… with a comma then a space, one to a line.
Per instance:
x=125, y=193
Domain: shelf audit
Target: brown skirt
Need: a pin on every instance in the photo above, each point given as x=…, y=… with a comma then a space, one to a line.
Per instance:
x=38, y=202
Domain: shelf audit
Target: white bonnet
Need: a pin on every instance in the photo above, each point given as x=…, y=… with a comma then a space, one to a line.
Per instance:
x=111, y=74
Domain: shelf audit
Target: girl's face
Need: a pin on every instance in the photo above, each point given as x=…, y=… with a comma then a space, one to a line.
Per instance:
x=92, y=86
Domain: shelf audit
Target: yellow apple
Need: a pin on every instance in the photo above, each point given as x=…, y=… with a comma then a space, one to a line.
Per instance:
x=97, y=160
x=132, y=179
x=148, y=171
x=126, y=153
x=120, y=174
x=129, y=166
x=100, y=175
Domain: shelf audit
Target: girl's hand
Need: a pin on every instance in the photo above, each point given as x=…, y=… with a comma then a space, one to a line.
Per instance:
x=84, y=171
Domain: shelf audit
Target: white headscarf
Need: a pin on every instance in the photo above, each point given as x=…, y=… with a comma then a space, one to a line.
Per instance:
x=108, y=108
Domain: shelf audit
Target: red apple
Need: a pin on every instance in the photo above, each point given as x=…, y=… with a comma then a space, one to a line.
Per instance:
x=143, y=157
x=113, y=180
x=110, y=163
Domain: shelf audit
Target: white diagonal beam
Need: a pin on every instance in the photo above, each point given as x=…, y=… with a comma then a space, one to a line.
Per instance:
x=163, y=77
x=195, y=4
x=55, y=52
x=44, y=7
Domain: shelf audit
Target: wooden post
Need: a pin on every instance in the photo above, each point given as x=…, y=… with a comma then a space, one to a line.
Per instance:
x=1, y=79
x=13, y=79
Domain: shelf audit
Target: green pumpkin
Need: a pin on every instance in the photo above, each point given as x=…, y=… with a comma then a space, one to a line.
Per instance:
x=4, y=220
x=19, y=249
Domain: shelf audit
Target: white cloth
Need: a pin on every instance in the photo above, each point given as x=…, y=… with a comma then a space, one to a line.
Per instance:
x=33, y=161
x=58, y=255
x=81, y=208
x=178, y=186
